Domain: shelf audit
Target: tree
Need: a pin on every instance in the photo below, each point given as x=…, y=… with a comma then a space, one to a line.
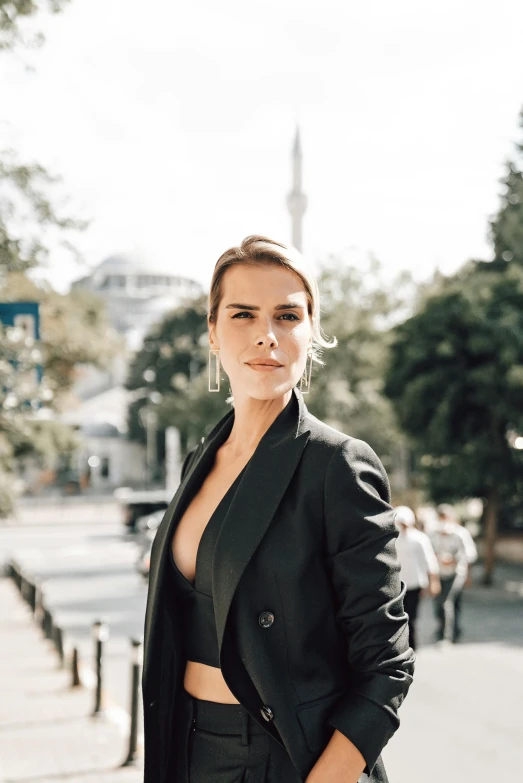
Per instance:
x=359, y=307
x=73, y=329
x=28, y=219
x=172, y=363
x=14, y=15
x=455, y=376
x=506, y=228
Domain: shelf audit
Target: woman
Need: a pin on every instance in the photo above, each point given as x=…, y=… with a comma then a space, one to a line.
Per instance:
x=276, y=644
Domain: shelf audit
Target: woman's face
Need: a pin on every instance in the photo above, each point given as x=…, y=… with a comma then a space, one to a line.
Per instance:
x=263, y=330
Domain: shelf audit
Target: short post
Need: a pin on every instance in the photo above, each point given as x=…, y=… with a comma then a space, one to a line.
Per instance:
x=100, y=635
x=75, y=670
x=136, y=664
x=59, y=643
x=38, y=614
x=32, y=597
x=48, y=624
x=23, y=586
x=16, y=575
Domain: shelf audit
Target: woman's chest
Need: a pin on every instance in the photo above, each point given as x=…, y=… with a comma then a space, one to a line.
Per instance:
x=201, y=520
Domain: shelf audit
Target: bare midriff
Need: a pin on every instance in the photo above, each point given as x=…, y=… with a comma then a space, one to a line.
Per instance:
x=206, y=682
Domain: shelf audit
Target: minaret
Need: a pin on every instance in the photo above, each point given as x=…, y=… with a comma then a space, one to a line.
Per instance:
x=297, y=200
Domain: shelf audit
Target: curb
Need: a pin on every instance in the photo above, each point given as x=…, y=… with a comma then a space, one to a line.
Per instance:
x=31, y=593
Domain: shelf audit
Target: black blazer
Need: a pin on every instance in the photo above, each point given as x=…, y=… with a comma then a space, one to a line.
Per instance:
x=310, y=538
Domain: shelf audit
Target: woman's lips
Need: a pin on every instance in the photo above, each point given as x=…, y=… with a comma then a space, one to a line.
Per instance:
x=265, y=367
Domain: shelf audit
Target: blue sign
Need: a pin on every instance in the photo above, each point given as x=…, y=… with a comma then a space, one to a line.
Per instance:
x=24, y=316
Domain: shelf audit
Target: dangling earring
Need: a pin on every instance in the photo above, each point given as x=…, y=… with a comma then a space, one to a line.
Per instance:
x=216, y=372
x=305, y=380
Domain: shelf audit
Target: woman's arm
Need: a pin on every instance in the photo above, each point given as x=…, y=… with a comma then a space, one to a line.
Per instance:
x=361, y=552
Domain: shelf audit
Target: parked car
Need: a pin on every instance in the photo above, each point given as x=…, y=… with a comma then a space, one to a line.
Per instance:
x=140, y=503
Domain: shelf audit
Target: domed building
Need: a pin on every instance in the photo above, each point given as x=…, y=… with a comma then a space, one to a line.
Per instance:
x=136, y=293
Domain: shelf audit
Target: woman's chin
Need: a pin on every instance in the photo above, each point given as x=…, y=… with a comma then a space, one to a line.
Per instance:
x=264, y=387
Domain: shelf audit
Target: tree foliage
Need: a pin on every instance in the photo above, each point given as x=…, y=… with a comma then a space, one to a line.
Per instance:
x=176, y=352
x=14, y=15
x=506, y=228
x=359, y=306
x=74, y=330
x=456, y=379
x=71, y=327
x=28, y=219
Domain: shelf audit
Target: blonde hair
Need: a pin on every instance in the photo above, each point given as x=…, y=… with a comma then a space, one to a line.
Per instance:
x=258, y=250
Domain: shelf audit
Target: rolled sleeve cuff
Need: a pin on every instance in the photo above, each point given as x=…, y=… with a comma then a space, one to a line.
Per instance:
x=367, y=725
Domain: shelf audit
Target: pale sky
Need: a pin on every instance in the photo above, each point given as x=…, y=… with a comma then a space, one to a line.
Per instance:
x=172, y=124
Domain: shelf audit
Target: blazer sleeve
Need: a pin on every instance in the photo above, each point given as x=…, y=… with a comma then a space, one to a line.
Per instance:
x=364, y=570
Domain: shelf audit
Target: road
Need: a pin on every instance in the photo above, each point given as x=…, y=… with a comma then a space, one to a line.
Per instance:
x=461, y=722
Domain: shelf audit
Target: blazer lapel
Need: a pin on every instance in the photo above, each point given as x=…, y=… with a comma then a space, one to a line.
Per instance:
x=254, y=504
x=198, y=469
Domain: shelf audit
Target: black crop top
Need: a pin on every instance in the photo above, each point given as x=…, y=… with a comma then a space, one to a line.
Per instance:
x=197, y=608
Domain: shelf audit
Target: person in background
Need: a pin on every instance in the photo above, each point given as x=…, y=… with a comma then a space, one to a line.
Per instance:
x=452, y=559
x=446, y=513
x=419, y=566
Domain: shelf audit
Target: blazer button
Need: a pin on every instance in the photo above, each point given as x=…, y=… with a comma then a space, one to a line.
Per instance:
x=266, y=619
x=266, y=712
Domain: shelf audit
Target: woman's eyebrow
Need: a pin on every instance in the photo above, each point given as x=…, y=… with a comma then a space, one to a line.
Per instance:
x=235, y=306
x=289, y=306
x=286, y=306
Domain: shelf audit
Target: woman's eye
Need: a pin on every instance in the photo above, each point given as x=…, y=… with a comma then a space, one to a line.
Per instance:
x=291, y=317
x=244, y=312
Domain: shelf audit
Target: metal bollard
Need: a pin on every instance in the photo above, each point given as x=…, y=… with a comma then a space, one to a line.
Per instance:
x=48, y=624
x=31, y=598
x=59, y=643
x=137, y=660
x=100, y=635
x=38, y=615
x=15, y=574
x=18, y=577
x=75, y=673
x=23, y=586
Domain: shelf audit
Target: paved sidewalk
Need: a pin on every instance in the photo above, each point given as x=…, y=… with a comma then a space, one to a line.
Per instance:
x=46, y=734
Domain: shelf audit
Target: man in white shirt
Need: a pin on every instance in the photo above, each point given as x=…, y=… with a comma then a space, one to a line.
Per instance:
x=419, y=566
x=446, y=513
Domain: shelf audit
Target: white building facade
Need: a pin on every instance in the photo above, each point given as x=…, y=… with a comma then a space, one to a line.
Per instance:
x=137, y=295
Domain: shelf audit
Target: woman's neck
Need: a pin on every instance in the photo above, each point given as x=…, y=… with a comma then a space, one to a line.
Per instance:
x=252, y=419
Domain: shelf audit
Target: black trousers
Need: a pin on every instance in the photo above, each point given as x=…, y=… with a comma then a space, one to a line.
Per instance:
x=221, y=743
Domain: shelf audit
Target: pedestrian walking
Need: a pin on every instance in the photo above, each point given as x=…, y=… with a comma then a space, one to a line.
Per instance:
x=419, y=566
x=276, y=642
x=446, y=513
x=452, y=559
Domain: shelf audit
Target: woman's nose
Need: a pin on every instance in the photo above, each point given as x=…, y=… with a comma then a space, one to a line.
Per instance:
x=267, y=338
x=268, y=341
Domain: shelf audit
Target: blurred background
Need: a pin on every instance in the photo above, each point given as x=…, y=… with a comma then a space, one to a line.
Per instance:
x=137, y=143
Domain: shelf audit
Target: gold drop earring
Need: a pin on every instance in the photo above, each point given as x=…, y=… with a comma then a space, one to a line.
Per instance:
x=216, y=372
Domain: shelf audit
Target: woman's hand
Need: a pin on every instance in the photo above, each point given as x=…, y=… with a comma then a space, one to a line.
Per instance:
x=340, y=762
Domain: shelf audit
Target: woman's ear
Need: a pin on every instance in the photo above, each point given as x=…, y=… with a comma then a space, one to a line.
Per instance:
x=213, y=342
